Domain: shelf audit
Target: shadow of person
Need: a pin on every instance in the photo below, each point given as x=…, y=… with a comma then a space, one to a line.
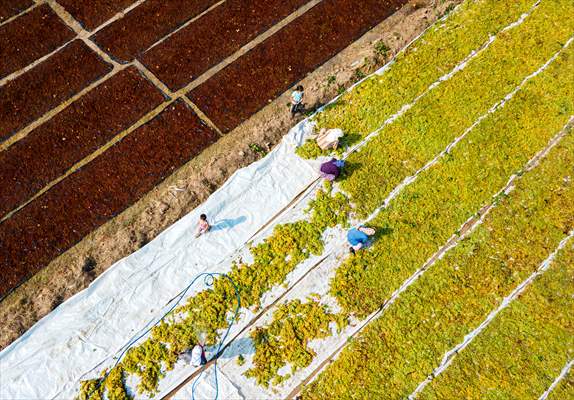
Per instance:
x=348, y=170
x=242, y=346
x=380, y=232
x=227, y=223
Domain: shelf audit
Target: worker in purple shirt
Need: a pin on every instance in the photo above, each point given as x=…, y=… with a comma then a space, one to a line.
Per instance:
x=331, y=169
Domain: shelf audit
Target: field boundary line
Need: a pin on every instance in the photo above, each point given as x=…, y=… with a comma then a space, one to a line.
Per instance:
x=86, y=160
x=466, y=228
x=117, y=16
x=184, y=25
x=23, y=12
x=506, y=301
x=173, y=96
x=22, y=133
x=80, y=31
x=247, y=47
x=451, y=354
x=459, y=67
x=23, y=70
x=558, y=379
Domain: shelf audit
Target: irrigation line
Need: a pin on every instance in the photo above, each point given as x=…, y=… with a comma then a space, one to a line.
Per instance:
x=558, y=379
x=260, y=314
x=452, y=353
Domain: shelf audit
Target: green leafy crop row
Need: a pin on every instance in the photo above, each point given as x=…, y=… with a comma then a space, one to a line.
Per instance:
x=399, y=350
x=406, y=145
x=524, y=349
x=439, y=50
x=284, y=341
x=426, y=213
x=436, y=53
x=208, y=311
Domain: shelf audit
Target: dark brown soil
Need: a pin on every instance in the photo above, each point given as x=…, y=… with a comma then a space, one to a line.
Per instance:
x=92, y=13
x=125, y=38
x=30, y=37
x=51, y=149
x=101, y=190
x=244, y=87
x=9, y=8
x=215, y=36
x=48, y=84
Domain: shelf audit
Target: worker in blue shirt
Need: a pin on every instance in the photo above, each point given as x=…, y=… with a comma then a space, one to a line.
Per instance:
x=359, y=237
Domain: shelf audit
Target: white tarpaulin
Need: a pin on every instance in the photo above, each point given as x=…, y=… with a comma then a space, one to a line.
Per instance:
x=71, y=343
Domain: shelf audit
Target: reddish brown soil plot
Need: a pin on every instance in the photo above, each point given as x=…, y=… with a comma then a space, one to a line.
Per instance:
x=61, y=217
x=244, y=87
x=9, y=8
x=92, y=13
x=48, y=151
x=146, y=24
x=217, y=35
x=48, y=84
x=30, y=37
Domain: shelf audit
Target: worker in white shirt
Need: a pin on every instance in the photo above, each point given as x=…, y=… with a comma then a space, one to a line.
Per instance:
x=297, y=100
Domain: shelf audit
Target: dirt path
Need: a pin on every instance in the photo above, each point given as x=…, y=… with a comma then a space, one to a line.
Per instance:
x=194, y=182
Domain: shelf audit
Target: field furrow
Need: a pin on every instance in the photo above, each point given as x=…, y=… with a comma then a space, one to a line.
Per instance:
x=526, y=346
x=99, y=191
x=147, y=23
x=209, y=40
x=10, y=8
x=244, y=87
x=564, y=388
x=93, y=13
x=401, y=348
x=48, y=84
x=456, y=104
x=55, y=146
x=30, y=37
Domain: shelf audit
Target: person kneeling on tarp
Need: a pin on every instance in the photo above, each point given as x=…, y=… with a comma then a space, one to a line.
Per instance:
x=358, y=238
x=330, y=170
x=328, y=139
x=198, y=356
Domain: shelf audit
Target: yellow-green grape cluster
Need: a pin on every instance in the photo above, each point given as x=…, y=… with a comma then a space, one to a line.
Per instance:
x=285, y=340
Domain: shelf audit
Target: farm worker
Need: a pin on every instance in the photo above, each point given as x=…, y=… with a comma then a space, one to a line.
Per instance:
x=198, y=356
x=202, y=226
x=359, y=237
x=329, y=138
x=297, y=100
x=331, y=169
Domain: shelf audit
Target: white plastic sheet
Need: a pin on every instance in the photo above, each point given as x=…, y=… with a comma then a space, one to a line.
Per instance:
x=74, y=340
